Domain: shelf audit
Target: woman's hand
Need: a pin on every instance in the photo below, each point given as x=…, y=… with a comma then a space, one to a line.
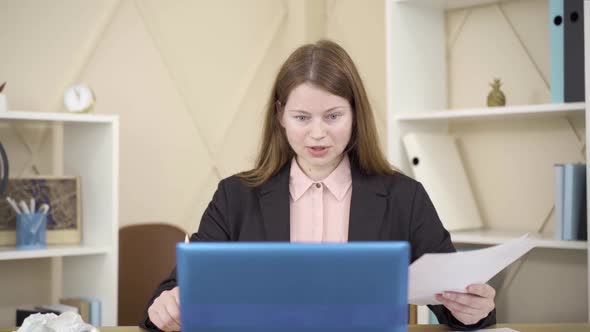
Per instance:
x=165, y=311
x=469, y=308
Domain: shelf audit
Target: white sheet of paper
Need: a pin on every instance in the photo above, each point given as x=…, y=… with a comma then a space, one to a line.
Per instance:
x=434, y=273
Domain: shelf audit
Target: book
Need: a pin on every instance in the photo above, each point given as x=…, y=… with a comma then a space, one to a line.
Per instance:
x=574, y=198
x=82, y=305
x=558, y=201
x=437, y=165
x=89, y=308
x=60, y=308
x=23, y=312
x=95, y=310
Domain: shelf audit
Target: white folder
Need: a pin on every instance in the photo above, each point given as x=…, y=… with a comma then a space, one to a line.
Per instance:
x=441, y=172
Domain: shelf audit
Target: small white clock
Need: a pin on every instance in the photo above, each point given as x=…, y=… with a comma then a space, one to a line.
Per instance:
x=78, y=98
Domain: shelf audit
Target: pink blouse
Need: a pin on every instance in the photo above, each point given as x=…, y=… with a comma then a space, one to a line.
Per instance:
x=320, y=209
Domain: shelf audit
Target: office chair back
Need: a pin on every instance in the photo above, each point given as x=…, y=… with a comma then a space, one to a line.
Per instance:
x=147, y=255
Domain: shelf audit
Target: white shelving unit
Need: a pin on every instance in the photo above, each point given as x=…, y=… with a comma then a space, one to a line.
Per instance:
x=494, y=237
x=57, y=117
x=493, y=112
x=417, y=93
x=450, y=4
x=90, y=148
x=52, y=251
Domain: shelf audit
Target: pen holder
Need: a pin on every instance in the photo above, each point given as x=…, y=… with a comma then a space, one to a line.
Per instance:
x=31, y=230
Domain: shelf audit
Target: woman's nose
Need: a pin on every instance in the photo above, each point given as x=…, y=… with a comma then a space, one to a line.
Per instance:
x=317, y=131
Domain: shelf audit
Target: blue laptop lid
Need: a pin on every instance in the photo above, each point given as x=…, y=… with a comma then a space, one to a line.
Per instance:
x=229, y=286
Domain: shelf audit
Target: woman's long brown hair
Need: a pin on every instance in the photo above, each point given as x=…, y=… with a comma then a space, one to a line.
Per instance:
x=326, y=65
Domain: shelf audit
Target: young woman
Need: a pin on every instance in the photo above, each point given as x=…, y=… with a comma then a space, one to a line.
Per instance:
x=320, y=176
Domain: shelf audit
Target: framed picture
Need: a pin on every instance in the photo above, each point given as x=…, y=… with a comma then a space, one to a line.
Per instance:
x=61, y=193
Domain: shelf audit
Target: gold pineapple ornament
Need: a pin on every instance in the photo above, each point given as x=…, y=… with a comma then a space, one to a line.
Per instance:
x=496, y=96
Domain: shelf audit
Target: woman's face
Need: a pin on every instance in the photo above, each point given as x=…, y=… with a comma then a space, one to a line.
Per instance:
x=318, y=125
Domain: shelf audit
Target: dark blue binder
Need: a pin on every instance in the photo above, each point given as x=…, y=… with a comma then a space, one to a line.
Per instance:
x=574, y=202
x=573, y=50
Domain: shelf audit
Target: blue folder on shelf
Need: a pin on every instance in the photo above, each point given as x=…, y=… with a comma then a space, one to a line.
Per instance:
x=573, y=50
x=556, y=55
x=566, y=38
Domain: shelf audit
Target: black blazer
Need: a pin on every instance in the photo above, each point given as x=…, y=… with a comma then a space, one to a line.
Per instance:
x=382, y=208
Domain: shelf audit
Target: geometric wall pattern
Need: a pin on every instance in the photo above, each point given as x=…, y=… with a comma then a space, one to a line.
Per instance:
x=189, y=80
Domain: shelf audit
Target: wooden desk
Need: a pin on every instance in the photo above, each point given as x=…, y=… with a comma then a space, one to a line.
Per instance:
x=574, y=327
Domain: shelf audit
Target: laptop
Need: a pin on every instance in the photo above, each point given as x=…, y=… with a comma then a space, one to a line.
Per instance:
x=264, y=286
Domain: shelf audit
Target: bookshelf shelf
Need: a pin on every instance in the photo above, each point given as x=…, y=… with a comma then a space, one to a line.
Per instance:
x=450, y=4
x=87, y=146
x=56, y=117
x=436, y=61
x=10, y=253
x=494, y=237
x=542, y=110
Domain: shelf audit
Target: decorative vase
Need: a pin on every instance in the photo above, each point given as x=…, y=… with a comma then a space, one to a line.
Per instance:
x=496, y=96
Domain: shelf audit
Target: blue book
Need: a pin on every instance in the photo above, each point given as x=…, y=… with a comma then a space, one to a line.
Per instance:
x=556, y=42
x=432, y=318
x=95, y=311
x=558, y=201
x=574, y=216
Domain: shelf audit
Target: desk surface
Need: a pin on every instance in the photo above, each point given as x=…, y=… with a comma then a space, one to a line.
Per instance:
x=560, y=327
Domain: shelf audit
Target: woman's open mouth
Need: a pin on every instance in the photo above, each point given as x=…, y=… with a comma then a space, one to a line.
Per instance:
x=318, y=151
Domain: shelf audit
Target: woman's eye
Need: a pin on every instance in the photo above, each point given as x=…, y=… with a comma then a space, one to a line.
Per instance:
x=301, y=117
x=334, y=116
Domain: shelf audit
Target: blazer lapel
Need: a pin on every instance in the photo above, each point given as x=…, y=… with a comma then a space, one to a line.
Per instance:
x=274, y=205
x=367, y=207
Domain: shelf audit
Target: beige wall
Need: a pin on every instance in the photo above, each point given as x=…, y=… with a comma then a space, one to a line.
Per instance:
x=189, y=80
x=359, y=26
x=196, y=76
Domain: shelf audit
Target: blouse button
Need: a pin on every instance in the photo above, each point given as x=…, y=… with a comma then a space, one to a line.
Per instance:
x=318, y=185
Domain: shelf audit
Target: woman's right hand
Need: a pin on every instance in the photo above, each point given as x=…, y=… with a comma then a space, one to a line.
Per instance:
x=165, y=311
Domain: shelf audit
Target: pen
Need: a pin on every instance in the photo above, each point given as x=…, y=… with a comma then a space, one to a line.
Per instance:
x=32, y=207
x=24, y=207
x=44, y=208
x=13, y=204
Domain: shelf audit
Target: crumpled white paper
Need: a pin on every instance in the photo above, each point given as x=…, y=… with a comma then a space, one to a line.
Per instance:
x=66, y=322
